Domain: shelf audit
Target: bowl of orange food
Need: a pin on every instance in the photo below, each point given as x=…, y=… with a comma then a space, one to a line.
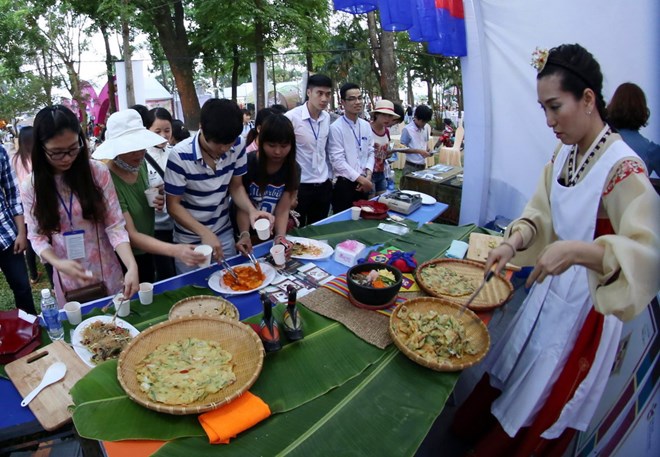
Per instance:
x=374, y=284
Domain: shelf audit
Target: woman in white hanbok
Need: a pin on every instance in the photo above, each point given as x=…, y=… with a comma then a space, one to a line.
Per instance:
x=591, y=231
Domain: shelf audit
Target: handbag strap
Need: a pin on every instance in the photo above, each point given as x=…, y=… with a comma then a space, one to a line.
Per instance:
x=154, y=165
x=98, y=242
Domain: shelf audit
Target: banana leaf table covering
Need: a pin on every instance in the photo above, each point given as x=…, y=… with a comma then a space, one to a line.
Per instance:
x=330, y=394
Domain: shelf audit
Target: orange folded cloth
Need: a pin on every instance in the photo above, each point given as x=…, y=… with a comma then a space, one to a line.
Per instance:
x=229, y=420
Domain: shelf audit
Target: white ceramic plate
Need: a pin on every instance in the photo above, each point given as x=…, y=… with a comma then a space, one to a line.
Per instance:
x=426, y=199
x=76, y=339
x=327, y=250
x=216, y=283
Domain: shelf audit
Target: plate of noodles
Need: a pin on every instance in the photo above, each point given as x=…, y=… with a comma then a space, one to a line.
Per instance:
x=309, y=249
x=249, y=279
x=98, y=339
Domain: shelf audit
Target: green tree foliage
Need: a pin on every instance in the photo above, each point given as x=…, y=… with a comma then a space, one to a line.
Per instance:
x=25, y=51
x=349, y=59
x=19, y=94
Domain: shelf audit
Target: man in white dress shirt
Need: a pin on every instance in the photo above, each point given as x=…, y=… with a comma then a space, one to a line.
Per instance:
x=351, y=151
x=311, y=124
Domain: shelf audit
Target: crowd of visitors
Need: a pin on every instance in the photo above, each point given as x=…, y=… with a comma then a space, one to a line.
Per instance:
x=135, y=208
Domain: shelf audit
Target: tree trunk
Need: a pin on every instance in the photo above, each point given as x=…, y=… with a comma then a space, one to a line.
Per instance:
x=429, y=89
x=259, y=48
x=236, y=62
x=45, y=72
x=112, y=107
x=374, y=40
x=309, y=57
x=76, y=93
x=389, y=84
x=459, y=96
x=214, y=81
x=128, y=64
x=383, y=44
x=173, y=39
x=409, y=88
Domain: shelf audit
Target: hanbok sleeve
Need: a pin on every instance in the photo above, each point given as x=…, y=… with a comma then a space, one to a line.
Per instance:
x=631, y=265
x=115, y=224
x=535, y=223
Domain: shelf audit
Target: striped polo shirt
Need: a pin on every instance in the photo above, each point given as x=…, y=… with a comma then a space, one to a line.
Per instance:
x=204, y=191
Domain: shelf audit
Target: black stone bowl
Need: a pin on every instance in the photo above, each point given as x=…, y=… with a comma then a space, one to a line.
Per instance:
x=369, y=295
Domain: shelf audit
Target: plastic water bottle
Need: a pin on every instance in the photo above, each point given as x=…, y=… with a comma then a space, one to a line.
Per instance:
x=50, y=312
x=390, y=180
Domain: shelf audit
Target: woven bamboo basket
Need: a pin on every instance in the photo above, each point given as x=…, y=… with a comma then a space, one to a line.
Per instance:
x=495, y=293
x=475, y=330
x=237, y=338
x=203, y=305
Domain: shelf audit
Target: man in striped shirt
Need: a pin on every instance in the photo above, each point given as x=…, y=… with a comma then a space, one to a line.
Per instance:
x=203, y=173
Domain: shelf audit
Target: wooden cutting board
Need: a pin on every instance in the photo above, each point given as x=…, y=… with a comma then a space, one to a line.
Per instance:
x=51, y=406
x=481, y=244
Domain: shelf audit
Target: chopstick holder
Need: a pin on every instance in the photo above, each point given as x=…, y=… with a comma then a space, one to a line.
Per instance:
x=457, y=250
x=228, y=421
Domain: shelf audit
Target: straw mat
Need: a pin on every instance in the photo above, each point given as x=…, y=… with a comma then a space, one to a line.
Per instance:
x=368, y=325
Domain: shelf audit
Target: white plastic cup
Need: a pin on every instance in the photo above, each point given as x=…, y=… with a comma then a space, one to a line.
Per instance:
x=146, y=293
x=355, y=213
x=124, y=306
x=207, y=251
x=262, y=226
x=151, y=194
x=73, y=312
x=277, y=252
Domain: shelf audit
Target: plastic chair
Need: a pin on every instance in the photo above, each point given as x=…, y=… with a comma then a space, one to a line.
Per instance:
x=452, y=156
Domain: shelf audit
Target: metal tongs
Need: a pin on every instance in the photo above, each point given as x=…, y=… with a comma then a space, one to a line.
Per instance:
x=489, y=275
x=255, y=262
x=229, y=269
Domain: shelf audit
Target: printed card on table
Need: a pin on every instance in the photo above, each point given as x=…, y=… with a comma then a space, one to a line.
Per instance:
x=315, y=274
x=408, y=283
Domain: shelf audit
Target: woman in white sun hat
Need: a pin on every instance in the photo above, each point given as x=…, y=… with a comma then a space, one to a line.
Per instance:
x=126, y=141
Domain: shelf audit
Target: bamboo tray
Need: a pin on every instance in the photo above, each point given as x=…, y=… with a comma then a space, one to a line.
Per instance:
x=204, y=305
x=237, y=338
x=475, y=330
x=495, y=293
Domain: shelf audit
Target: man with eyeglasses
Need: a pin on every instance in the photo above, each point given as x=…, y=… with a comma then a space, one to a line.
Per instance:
x=13, y=237
x=311, y=123
x=351, y=151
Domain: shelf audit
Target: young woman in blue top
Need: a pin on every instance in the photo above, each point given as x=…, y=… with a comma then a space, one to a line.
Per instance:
x=272, y=179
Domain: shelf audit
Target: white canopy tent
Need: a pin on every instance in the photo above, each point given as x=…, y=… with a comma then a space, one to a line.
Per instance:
x=507, y=141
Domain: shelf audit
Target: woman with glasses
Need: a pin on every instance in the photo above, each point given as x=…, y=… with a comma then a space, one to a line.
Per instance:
x=71, y=208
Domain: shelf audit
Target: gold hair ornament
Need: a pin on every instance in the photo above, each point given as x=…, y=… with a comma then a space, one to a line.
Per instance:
x=539, y=59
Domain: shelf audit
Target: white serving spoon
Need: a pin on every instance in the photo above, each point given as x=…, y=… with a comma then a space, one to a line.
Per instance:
x=54, y=373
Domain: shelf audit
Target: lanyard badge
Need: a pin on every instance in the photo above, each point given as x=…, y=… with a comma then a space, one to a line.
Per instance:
x=74, y=240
